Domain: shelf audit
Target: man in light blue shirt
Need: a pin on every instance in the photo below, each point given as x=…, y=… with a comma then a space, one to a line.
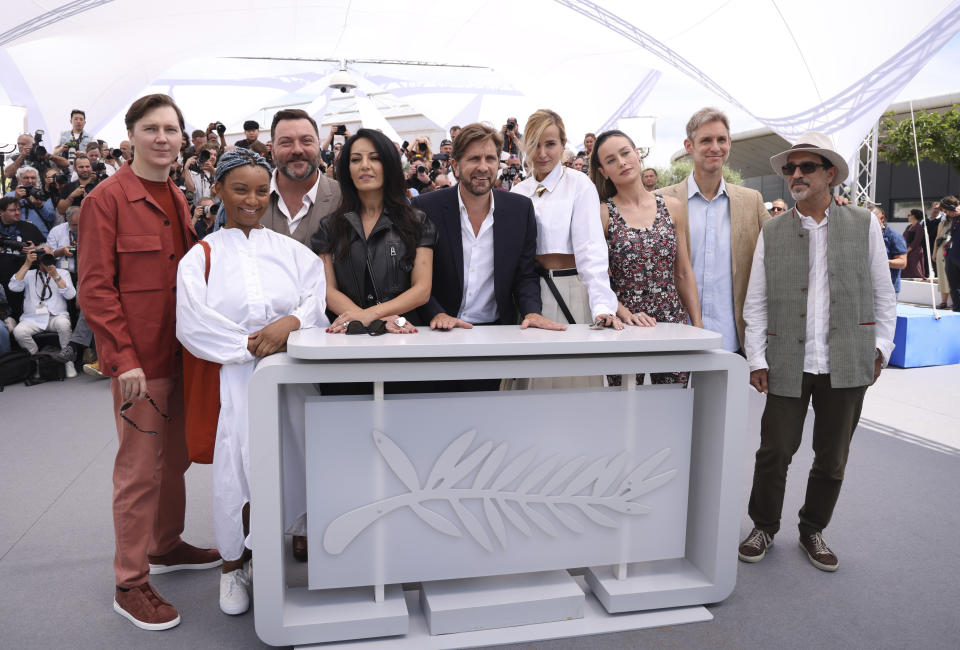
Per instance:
x=724, y=222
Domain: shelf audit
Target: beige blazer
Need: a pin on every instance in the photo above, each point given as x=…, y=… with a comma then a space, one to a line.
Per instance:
x=328, y=200
x=747, y=216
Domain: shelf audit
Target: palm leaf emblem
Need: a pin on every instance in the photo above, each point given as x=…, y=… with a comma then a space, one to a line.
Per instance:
x=507, y=491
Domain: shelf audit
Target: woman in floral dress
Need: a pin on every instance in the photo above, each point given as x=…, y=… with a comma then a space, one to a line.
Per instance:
x=649, y=257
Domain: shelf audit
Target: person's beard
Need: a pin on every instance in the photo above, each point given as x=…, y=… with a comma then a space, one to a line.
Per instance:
x=289, y=173
x=476, y=191
x=799, y=191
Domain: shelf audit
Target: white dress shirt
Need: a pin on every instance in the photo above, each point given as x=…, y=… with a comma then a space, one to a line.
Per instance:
x=59, y=237
x=816, y=353
x=710, y=257
x=308, y=200
x=36, y=285
x=568, y=221
x=479, y=303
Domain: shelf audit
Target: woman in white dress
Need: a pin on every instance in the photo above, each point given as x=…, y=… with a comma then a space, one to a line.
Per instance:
x=571, y=249
x=261, y=287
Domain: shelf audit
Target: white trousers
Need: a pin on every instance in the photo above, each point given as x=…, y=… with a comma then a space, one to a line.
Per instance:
x=231, y=460
x=25, y=330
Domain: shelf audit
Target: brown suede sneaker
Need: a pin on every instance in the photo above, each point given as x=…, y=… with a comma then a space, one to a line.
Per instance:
x=145, y=608
x=819, y=553
x=184, y=556
x=754, y=547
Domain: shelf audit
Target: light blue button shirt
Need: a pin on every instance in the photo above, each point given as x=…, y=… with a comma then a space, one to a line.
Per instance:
x=710, y=253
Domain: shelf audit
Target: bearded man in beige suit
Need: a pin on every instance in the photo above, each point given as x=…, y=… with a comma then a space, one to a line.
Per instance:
x=724, y=223
x=300, y=196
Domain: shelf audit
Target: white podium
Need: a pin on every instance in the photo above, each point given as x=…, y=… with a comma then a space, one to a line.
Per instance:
x=483, y=501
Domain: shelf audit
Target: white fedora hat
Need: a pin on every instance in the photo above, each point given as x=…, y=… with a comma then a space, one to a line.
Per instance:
x=818, y=143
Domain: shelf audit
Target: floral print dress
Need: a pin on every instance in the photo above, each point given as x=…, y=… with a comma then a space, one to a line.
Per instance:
x=641, y=270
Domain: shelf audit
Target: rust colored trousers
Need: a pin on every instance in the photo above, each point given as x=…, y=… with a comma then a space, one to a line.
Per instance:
x=148, y=488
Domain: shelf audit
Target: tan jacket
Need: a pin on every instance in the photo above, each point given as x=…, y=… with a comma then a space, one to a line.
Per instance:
x=747, y=216
x=328, y=200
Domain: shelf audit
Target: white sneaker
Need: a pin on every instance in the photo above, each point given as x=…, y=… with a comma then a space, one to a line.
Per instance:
x=234, y=598
x=71, y=371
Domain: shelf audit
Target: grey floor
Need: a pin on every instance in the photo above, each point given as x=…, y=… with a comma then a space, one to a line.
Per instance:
x=896, y=531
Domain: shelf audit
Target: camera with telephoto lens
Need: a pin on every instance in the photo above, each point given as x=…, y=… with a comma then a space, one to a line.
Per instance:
x=341, y=129
x=221, y=129
x=36, y=192
x=46, y=259
x=116, y=154
x=37, y=151
x=202, y=158
x=100, y=170
x=61, y=179
x=510, y=173
x=12, y=244
x=421, y=169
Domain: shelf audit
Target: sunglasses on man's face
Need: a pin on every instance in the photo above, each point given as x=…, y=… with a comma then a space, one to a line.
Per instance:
x=126, y=407
x=804, y=167
x=777, y=209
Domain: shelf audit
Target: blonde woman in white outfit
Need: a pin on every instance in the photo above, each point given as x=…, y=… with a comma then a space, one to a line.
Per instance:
x=571, y=248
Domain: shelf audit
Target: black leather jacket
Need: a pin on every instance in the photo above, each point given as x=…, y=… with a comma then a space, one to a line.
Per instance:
x=381, y=254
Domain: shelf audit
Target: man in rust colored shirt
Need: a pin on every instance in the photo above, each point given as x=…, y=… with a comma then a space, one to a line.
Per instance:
x=135, y=227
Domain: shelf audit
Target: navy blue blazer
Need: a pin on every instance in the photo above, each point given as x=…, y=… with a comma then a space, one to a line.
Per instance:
x=516, y=283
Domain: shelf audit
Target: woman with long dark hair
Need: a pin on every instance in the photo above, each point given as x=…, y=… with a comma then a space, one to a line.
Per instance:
x=377, y=249
x=916, y=246
x=650, y=267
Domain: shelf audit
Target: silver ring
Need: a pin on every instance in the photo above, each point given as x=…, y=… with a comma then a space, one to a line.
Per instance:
x=400, y=322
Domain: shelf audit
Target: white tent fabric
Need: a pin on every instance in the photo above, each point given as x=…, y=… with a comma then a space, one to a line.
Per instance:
x=792, y=66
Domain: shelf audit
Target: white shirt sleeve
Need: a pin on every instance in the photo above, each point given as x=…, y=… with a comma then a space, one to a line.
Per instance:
x=313, y=290
x=884, y=298
x=755, y=312
x=206, y=333
x=68, y=290
x=590, y=251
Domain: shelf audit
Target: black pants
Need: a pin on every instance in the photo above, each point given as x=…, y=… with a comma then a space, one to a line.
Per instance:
x=953, y=277
x=836, y=414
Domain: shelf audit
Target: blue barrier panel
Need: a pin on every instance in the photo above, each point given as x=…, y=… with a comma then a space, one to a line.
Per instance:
x=922, y=340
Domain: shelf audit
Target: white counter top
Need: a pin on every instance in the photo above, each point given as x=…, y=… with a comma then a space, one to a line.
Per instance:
x=499, y=341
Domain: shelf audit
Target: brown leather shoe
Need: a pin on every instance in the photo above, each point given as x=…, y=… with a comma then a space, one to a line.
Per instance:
x=754, y=547
x=300, y=547
x=819, y=553
x=184, y=556
x=145, y=608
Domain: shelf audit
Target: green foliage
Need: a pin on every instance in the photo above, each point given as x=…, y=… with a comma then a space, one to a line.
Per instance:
x=680, y=169
x=938, y=139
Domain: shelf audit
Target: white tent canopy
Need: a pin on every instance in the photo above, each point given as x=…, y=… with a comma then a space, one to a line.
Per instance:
x=790, y=66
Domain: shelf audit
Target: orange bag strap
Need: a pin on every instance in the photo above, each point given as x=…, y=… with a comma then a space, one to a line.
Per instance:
x=206, y=254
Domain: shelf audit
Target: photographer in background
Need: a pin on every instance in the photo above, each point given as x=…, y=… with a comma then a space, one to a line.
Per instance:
x=251, y=132
x=203, y=217
x=510, y=174
x=17, y=237
x=215, y=131
x=198, y=138
x=511, y=137
x=46, y=292
x=200, y=170
x=73, y=141
x=74, y=192
x=418, y=178
x=63, y=241
x=95, y=156
x=35, y=204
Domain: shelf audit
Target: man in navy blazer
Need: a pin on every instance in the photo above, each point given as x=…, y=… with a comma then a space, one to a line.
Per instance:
x=483, y=265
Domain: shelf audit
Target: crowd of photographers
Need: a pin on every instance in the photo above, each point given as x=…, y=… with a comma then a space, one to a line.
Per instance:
x=46, y=180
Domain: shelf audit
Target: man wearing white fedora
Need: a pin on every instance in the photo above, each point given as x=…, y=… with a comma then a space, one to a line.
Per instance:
x=820, y=314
